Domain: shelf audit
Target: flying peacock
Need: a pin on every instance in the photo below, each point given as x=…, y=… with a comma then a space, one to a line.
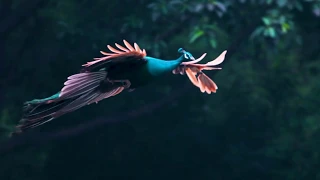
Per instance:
x=125, y=68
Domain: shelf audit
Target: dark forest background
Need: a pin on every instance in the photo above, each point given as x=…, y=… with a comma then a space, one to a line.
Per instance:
x=263, y=123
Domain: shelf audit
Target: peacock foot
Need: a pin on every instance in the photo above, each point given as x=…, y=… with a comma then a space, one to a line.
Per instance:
x=125, y=83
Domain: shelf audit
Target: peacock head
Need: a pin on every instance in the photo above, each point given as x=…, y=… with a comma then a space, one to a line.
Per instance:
x=187, y=56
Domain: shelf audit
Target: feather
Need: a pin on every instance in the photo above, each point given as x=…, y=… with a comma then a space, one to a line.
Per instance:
x=128, y=45
x=192, y=77
x=108, y=94
x=38, y=113
x=115, y=54
x=104, y=53
x=195, y=61
x=38, y=123
x=122, y=48
x=42, y=112
x=208, y=65
x=82, y=77
x=195, y=74
x=218, y=60
x=82, y=83
x=81, y=101
x=114, y=50
x=137, y=47
x=206, y=82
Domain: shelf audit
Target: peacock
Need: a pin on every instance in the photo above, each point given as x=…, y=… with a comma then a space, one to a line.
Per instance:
x=122, y=69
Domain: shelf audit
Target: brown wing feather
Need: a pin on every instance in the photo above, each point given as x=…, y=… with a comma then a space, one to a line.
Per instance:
x=195, y=74
x=118, y=55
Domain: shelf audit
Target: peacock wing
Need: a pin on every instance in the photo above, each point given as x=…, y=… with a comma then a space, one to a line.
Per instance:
x=196, y=75
x=126, y=54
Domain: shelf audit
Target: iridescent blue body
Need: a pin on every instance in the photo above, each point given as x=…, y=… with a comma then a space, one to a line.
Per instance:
x=145, y=73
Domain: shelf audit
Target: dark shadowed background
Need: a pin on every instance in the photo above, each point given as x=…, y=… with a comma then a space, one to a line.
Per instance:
x=263, y=122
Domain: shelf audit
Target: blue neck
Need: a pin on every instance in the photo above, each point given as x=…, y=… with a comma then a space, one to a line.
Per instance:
x=157, y=67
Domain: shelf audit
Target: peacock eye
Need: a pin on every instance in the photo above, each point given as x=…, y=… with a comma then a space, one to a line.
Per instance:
x=186, y=56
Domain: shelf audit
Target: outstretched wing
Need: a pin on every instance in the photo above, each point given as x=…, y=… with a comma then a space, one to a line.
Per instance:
x=89, y=86
x=195, y=74
x=127, y=54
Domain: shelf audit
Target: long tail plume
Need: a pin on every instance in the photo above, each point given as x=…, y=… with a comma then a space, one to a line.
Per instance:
x=79, y=90
x=195, y=74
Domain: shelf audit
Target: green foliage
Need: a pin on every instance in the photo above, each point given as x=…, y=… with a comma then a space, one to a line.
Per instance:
x=273, y=24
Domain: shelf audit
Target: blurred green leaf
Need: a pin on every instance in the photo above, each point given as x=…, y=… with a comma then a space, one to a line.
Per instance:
x=272, y=32
x=258, y=31
x=196, y=35
x=213, y=43
x=269, y=1
x=266, y=21
x=285, y=27
x=282, y=3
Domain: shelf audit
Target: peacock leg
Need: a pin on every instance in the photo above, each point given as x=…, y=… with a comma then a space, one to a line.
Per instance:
x=126, y=83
